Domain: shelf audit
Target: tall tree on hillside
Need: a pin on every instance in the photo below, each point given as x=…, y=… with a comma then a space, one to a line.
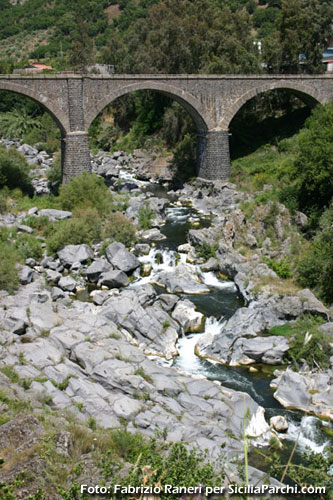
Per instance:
x=304, y=29
x=181, y=36
x=81, y=53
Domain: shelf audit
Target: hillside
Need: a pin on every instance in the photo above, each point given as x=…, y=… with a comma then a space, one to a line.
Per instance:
x=168, y=36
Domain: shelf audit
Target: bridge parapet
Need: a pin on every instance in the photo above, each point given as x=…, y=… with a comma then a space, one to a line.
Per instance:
x=212, y=100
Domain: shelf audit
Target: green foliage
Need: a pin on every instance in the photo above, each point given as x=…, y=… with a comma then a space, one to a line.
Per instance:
x=313, y=168
x=282, y=267
x=14, y=171
x=120, y=228
x=206, y=251
x=28, y=246
x=54, y=175
x=84, y=191
x=146, y=214
x=84, y=228
x=9, y=279
x=17, y=123
x=315, y=266
x=184, y=159
x=306, y=342
x=140, y=371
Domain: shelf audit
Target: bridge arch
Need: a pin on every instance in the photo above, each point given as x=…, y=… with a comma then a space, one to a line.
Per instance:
x=185, y=99
x=307, y=94
x=59, y=117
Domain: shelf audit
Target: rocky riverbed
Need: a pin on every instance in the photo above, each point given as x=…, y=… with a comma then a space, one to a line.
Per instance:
x=109, y=357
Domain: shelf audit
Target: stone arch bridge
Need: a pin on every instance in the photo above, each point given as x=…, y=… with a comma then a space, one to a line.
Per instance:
x=74, y=101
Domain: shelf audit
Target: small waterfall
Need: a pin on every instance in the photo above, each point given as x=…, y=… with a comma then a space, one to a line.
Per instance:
x=309, y=434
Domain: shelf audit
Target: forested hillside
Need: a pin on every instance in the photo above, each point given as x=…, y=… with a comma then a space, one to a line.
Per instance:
x=210, y=36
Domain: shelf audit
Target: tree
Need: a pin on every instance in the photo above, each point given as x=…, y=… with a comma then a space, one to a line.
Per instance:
x=314, y=163
x=302, y=33
x=81, y=53
x=316, y=265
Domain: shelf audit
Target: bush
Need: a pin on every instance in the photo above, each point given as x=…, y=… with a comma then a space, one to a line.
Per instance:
x=28, y=246
x=86, y=190
x=146, y=214
x=306, y=341
x=314, y=164
x=282, y=267
x=315, y=267
x=85, y=227
x=206, y=251
x=120, y=228
x=14, y=171
x=9, y=279
x=54, y=175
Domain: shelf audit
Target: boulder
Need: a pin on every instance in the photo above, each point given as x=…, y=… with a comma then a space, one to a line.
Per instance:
x=67, y=283
x=181, y=280
x=121, y=258
x=26, y=275
x=25, y=229
x=75, y=253
x=153, y=234
x=54, y=214
x=113, y=279
x=57, y=293
x=186, y=315
x=98, y=267
x=268, y=350
x=279, y=423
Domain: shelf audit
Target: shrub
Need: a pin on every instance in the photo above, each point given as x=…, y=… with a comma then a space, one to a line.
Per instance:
x=55, y=174
x=28, y=246
x=206, y=251
x=9, y=279
x=85, y=227
x=315, y=266
x=86, y=190
x=282, y=267
x=120, y=228
x=146, y=214
x=14, y=171
x=306, y=341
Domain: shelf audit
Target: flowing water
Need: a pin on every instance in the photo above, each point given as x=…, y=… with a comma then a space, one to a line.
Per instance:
x=218, y=305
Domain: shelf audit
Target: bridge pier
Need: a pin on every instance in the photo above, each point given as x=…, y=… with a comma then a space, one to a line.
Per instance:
x=75, y=155
x=213, y=155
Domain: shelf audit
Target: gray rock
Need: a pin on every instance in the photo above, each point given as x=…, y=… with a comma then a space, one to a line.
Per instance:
x=168, y=301
x=54, y=214
x=113, y=279
x=16, y=325
x=142, y=248
x=126, y=407
x=53, y=276
x=30, y=262
x=311, y=303
x=26, y=275
x=269, y=350
x=25, y=229
x=279, y=423
x=153, y=234
x=67, y=283
x=121, y=258
x=94, y=271
x=57, y=293
x=181, y=280
x=186, y=315
x=27, y=150
x=75, y=253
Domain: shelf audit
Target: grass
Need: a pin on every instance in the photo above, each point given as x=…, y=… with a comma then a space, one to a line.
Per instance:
x=144, y=375
x=306, y=342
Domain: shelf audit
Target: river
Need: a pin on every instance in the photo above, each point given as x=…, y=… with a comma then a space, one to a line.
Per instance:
x=218, y=305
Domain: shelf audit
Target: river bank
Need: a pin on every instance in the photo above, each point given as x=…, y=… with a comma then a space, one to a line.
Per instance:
x=124, y=355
